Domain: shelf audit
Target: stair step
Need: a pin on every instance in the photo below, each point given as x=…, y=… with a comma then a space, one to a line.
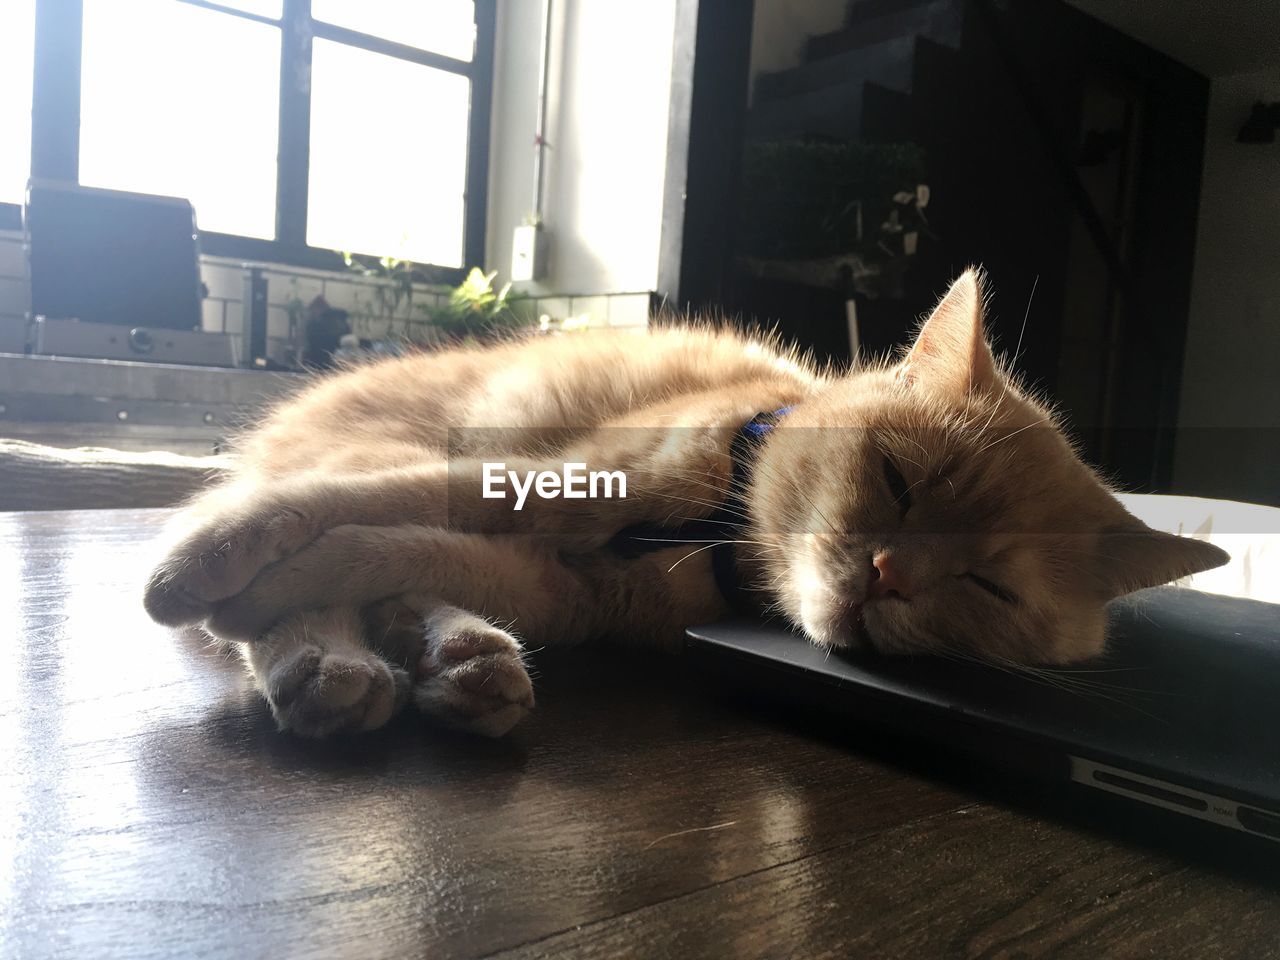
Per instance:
x=939, y=20
x=856, y=109
x=888, y=63
x=887, y=116
x=831, y=112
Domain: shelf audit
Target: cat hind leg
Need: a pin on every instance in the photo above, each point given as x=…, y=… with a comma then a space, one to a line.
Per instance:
x=319, y=677
x=468, y=673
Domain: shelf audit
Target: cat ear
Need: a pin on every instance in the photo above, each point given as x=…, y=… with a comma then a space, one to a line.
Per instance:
x=951, y=349
x=1132, y=556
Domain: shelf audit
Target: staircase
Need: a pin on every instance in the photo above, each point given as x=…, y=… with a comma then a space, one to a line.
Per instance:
x=1008, y=101
x=875, y=80
x=856, y=83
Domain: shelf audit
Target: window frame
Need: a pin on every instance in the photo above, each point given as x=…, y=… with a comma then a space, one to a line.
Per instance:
x=55, y=127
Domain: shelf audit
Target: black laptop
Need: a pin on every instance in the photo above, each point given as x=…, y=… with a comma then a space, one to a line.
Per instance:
x=1183, y=711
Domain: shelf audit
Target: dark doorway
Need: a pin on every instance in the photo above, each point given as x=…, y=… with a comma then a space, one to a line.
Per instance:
x=920, y=136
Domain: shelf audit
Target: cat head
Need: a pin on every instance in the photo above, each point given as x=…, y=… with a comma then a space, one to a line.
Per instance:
x=931, y=505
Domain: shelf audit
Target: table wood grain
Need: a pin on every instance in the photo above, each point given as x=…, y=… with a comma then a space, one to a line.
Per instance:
x=150, y=809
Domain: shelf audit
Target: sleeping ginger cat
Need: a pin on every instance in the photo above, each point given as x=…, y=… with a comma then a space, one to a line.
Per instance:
x=923, y=505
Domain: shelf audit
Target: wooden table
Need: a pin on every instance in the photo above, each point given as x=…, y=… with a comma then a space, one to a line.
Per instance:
x=150, y=809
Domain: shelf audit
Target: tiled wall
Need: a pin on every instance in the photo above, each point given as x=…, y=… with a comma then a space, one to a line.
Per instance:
x=13, y=285
x=359, y=296
x=224, y=307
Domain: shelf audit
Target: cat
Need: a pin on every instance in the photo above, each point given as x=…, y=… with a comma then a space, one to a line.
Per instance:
x=919, y=504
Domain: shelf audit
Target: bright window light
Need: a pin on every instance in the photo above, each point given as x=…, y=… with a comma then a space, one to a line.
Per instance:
x=388, y=156
x=17, y=64
x=180, y=101
x=263, y=8
x=441, y=26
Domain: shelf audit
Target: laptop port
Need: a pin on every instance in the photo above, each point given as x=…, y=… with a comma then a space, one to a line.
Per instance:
x=1267, y=824
x=1153, y=791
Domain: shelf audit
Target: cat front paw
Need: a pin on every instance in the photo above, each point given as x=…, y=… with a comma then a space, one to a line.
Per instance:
x=472, y=677
x=316, y=693
x=220, y=558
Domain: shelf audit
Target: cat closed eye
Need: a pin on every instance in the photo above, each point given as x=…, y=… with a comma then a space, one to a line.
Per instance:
x=994, y=589
x=898, y=488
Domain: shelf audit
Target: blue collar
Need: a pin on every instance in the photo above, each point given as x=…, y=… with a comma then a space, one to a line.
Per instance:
x=762, y=424
x=728, y=516
x=723, y=525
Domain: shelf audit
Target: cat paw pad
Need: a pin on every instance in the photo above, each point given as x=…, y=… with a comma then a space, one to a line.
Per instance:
x=473, y=678
x=313, y=693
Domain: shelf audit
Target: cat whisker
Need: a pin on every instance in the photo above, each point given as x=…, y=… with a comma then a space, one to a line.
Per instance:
x=1010, y=436
x=727, y=496
x=1017, y=349
x=1076, y=686
x=732, y=525
x=690, y=540
x=914, y=463
x=918, y=445
x=907, y=492
x=697, y=502
x=387, y=632
x=818, y=510
x=760, y=465
x=694, y=478
x=709, y=546
x=995, y=409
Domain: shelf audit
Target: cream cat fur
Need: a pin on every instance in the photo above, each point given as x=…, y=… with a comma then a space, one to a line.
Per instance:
x=922, y=505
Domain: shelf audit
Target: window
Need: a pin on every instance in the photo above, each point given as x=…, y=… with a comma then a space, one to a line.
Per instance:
x=160, y=113
x=296, y=127
x=369, y=154
x=441, y=26
x=17, y=65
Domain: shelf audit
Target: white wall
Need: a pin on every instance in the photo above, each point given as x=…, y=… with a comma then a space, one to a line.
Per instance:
x=1230, y=402
x=609, y=94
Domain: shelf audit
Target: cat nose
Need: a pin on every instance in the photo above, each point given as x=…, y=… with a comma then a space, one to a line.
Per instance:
x=887, y=579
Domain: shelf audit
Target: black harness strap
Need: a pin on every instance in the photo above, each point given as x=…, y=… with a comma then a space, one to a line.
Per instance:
x=721, y=528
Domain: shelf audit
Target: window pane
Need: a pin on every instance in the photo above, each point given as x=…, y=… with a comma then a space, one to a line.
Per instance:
x=17, y=47
x=441, y=26
x=181, y=101
x=263, y=8
x=388, y=156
